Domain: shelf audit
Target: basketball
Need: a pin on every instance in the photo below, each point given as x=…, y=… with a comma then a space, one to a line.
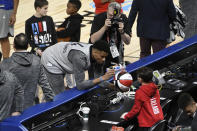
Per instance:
x=123, y=80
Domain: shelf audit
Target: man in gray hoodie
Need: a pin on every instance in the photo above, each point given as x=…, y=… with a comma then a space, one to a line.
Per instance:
x=29, y=71
x=11, y=95
x=76, y=58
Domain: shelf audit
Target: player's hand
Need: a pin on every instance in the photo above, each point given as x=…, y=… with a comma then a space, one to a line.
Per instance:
x=12, y=19
x=60, y=29
x=39, y=52
x=123, y=115
x=109, y=74
x=121, y=27
x=107, y=23
x=15, y=114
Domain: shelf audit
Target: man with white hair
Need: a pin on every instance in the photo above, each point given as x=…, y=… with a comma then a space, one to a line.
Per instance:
x=111, y=26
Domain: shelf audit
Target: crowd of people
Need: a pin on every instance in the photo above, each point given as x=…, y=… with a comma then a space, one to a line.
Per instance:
x=58, y=53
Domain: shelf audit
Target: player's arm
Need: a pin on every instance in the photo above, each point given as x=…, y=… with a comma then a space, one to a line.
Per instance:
x=13, y=15
x=80, y=66
x=98, y=30
x=136, y=107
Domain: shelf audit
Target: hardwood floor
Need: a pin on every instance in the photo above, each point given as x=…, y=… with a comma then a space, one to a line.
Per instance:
x=57, y=9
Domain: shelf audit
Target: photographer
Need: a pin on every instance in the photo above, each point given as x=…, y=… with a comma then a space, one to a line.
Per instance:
x=111, y=26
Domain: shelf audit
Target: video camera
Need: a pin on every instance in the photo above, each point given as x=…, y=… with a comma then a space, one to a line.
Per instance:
x=116, y=19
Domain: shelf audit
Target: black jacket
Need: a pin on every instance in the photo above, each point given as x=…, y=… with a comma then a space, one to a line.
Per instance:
x=154, y=17
x=29, y=71
x=99, y=22
x=193, y=126
x=194, y=123
x=40, y=32
x=72, y=26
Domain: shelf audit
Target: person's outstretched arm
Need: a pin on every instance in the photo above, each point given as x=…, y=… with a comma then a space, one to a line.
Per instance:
x=135, y=109
x=80, y=66
x=44, y=84
x=97, y=32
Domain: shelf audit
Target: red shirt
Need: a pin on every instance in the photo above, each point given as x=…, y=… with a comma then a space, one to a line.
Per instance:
x=102, y=7
x=147, y=106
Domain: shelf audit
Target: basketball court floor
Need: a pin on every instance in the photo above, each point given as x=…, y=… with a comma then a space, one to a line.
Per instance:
x=57, y=10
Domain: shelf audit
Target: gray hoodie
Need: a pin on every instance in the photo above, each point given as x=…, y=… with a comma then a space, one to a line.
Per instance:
x=27, y=68
x=11, y=94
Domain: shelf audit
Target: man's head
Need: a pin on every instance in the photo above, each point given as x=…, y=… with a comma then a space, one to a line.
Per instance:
x=20, y=42
x=145, y=74
x=113, y=10
x=41, y=7
x=73, y=6
x=187, y=103
x=100, y=50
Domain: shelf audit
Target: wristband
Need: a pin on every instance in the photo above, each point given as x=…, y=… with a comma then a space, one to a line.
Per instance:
x=101, y=79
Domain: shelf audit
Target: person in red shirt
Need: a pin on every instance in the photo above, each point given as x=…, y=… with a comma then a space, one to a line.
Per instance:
x=102, y=5
x=147, y=106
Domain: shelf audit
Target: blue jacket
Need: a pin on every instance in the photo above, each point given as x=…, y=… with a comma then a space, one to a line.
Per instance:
x=154, y=17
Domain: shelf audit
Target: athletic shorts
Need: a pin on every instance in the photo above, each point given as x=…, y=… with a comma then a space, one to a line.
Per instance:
x=5, y=29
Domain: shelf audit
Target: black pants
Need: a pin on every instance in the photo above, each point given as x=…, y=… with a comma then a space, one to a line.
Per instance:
x=146, y=44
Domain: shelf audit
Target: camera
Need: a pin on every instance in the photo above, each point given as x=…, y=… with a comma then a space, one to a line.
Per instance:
x=116, y=19
x=115, y=22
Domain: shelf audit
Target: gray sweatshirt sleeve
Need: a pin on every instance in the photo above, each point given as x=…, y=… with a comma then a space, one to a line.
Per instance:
x=99, y=73
x=44, y=84
x=79, y=61
x=19, y=96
